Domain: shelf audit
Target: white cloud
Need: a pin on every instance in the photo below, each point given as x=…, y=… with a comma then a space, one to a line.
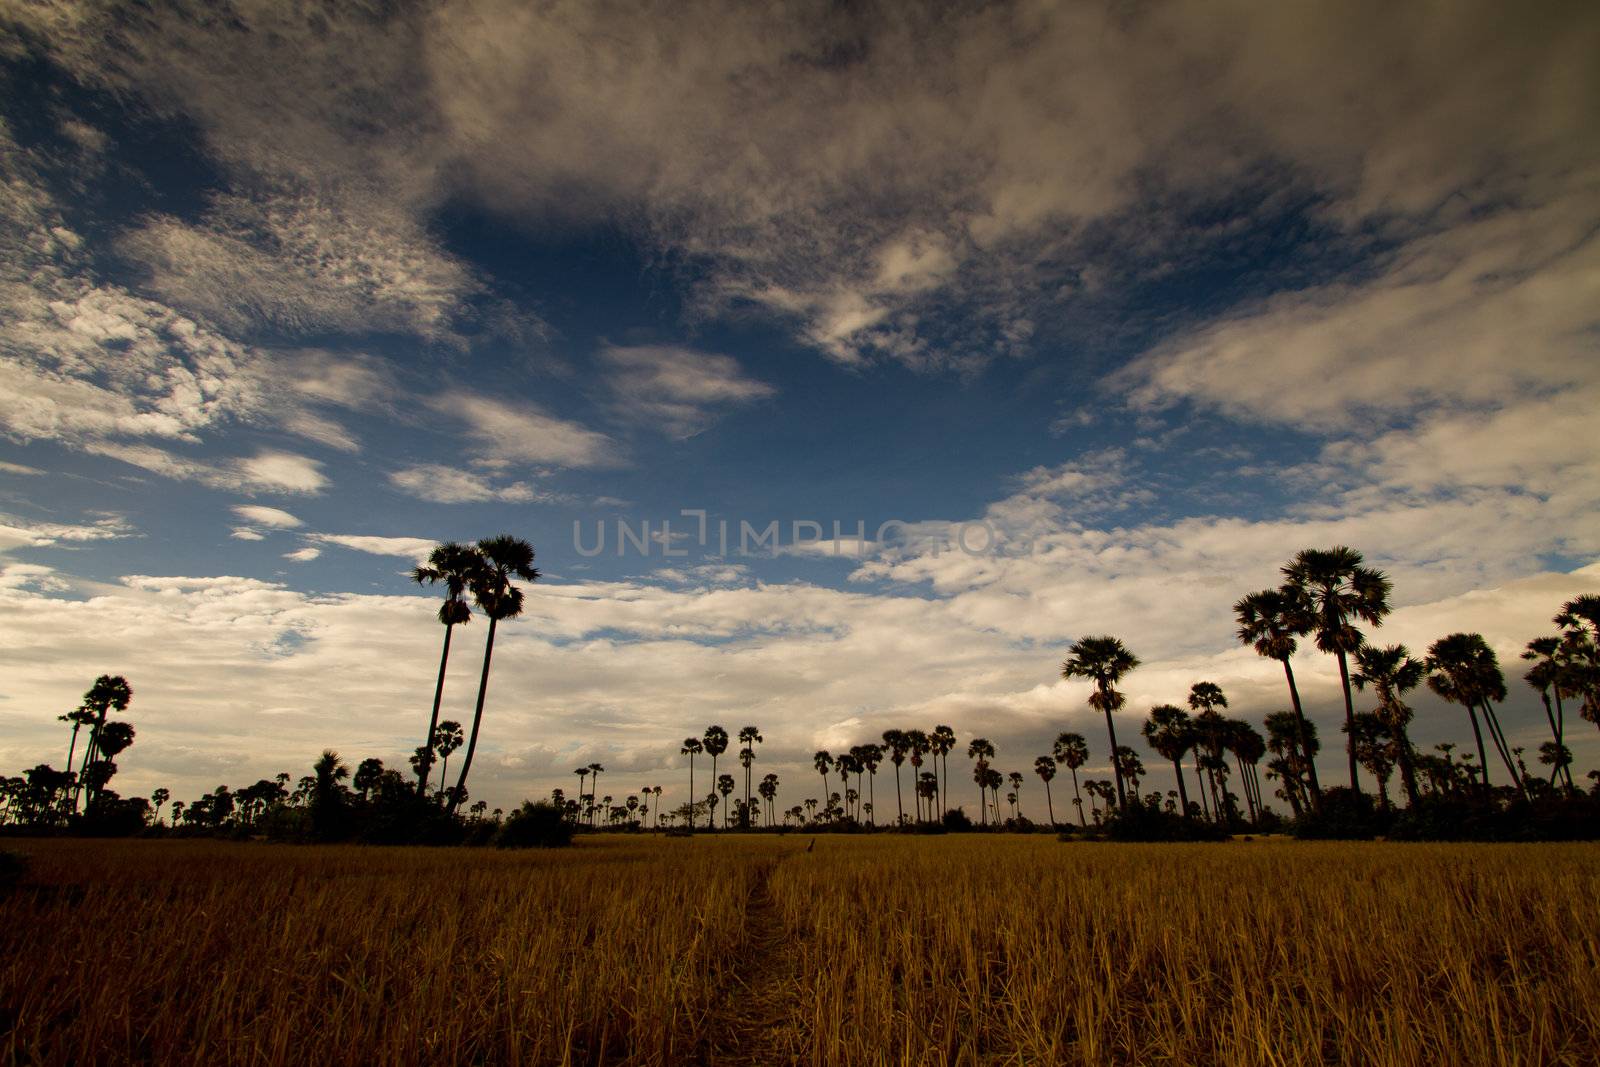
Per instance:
x=408, y=547
x=19, y=468
x=512, y=432
x=677, y=388
x=303, y=555
x=451, y=485
x=245, y=533
x=19, y=533
x=276, y=518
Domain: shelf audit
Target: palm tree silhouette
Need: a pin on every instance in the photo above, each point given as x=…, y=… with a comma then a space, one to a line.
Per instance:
x=504, y=558
x=749, y=737
x=716, y=743
x=1072, y=751
x=582, y=773
x=769, y=793
x=1463, y=669
x=1375, y=748
x=726, y=785
x=1579, y=619
x=1271, y=620
x=109, y=693
x=1547, y=676
x=942, y=741
x=453, y=565
x=1340, y=590
x=691, y=745
x=917, y=745
x=595, y=770
x=981, y=750
x=447, y=738
x=895, y=742
x=1169, y=732
x=1045, y=768
x=871, y=756
x=1391, y=672
x=823, y=763
x=1104, y=661
x=1016, y=780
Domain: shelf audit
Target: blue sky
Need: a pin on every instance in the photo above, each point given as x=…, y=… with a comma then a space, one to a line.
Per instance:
x=1163, y=293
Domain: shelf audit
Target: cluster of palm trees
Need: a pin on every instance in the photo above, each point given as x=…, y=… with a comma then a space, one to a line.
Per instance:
x=714, y=742
x=1328, y=596
x=485, y=572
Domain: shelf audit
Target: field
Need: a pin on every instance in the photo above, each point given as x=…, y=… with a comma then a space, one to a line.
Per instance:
x=727, y=950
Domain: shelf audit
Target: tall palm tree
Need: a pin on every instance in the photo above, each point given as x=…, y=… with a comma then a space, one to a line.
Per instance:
x=823, y=762
x=1016, y=779
x=1104, y=661
x=981, y=750
x=1391, y=672
x=1546, y=677
x=1579, y=619
x=1210, y=732
x=1248, y=747
x=1290, y=737
x=583, y=774
x=1072, y=751
x=1341, y=591
x=453, y=565
x=1045, y=768
x=726, y=785
x=917, y=744
x=895, y=742
x=749, y=737
x=716, y=742
x=871, y=756
x=691, y=745
x=1375, y=747
x=109, y=693
x=1169, y=732
x=942, y=741
x=1270, y=621
x=504, y=558
x=595, y=770
x=1462, y=669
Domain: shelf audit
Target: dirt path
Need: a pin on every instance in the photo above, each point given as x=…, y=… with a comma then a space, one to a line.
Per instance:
x=757, y=1022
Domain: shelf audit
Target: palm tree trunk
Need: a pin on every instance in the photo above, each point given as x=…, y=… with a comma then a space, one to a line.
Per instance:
x=899, y=808
x=824, y=800
x=1200, y=779
x=1349, y=721
x=872, y=798
x=1305, y=738
x=433, y=720
x=1244, y=783
x=1077, y=796
x=1483, y=755
x=477, y=719
x=1503, y=746
x=983, y=804
x=1183, y=791
x=1116, y=764
x=1049, y=803
x=691, y=790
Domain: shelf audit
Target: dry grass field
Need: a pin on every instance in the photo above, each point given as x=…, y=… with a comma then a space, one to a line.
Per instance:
x=958, y=950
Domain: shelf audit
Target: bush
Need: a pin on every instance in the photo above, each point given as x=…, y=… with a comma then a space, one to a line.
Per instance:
x=956, y=819
x=1440, y=818
x=1346, y=815
x=1141, y=823
x=535, y=825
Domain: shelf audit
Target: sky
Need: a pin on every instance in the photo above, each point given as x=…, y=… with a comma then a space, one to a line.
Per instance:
x=1055, y=320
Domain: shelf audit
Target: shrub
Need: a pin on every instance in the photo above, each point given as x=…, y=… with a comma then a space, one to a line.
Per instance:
x=1141, y=823
x=535, y=825
x=1346, y=815
x=13, y=866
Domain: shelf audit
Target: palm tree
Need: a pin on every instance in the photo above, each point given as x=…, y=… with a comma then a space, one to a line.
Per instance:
x=942, y=741
x=1391, y=672
x=1340, y=590
x=871, y=756
x=691, y=745
x=1579, y=619
x=1375, y=747
x=1290, y=737
x=716, y=742
x=895, y=742
x=453, y=565
x=1169, y=732
x=823, y=763
x=1546, y=677
x=726, y=785
x=583, y=774
x=447, y=738
x=1045, y=768
x=749, y=737
x=1462, y=669
x=1271, y=620
x=595, y=770
x=1248, y=747
x=918, y=744
x=1016, y=779
x=504, y=558
x=109, y=693
x=1104, y=661
x=1073, y=751
x=1210, y=733
x=983, y=751
x=769, y=793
